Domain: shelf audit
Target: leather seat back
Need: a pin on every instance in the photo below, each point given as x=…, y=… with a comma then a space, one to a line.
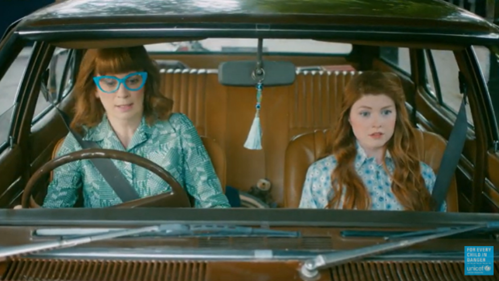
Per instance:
x=214, y=150
x=307, y=148
x=225, y=113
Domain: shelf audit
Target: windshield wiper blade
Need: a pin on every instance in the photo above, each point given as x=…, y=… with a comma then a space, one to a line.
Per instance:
x=6, y=252
x=310, y=268
x=180, y=230
x=395, y=235
x=163, y=230
x=426, y=232
x=227, y=230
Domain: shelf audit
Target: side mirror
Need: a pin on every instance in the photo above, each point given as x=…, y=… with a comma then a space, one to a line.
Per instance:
x=49, y=82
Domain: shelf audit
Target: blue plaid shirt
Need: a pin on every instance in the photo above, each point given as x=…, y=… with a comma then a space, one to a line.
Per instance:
x=173, y=144
x=317, y=190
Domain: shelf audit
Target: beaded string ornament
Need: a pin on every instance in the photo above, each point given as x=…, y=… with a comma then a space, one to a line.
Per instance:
x=254, y=140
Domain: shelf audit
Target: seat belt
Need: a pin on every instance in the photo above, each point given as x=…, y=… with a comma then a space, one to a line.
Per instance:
x=106, y=167
x=453, y=150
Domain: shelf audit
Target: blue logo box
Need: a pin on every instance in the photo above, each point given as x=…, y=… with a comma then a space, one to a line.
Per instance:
x=479, y=260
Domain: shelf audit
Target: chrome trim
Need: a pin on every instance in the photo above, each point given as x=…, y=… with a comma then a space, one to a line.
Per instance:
x=158, y=31
x=168, y=253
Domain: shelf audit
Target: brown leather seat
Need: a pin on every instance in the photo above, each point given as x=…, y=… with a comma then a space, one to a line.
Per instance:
x=225, y=113
x=305, y=149
x=214, y=150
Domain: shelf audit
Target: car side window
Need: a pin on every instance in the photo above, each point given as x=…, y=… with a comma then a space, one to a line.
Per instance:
x=398, y=57
x=9, y=85
x=489, y=66
x=442, y=81
x=60, y=70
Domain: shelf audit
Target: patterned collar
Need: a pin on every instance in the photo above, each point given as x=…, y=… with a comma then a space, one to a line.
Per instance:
x=104, y=131
x=361, y=157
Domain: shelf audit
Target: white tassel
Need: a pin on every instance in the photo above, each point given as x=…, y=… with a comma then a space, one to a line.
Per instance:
x=254, y=140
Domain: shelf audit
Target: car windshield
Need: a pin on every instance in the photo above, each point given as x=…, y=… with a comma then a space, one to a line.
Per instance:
x=259, y=139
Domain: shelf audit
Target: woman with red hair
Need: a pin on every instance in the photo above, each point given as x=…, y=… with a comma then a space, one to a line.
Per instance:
x=119, y=106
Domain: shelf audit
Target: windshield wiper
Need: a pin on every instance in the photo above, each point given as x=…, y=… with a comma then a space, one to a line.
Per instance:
x=487, y=229
x=396, y=235
x=310, y=268
x=173, y=230
x=226, y=230
x=178, y=231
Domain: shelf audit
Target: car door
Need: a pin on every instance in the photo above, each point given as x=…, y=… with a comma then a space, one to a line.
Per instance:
x=491, y=192
x=29, y=126
x=15, y=60
x=438, y=97
x=47, y=127
x=489, y=66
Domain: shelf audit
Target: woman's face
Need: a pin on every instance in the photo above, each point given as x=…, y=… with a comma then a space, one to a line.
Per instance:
x=120, y=102
x=373, y=118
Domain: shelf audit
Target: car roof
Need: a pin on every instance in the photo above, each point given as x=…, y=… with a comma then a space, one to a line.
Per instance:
x=422, y=17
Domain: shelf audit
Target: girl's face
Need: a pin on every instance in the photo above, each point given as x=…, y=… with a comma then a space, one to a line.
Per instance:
x=373, y=118
x=120, y=102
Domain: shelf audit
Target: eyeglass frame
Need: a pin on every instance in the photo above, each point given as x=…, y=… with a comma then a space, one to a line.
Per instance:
x=143, y=74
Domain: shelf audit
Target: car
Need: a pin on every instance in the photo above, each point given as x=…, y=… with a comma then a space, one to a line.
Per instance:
x=309, y=50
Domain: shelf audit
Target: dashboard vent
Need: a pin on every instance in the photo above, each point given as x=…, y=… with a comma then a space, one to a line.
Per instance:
x=82, y=270
x=406, y=270
x=152, y=270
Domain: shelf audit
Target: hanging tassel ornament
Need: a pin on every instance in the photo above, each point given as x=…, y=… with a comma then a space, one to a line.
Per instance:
x=254, y=140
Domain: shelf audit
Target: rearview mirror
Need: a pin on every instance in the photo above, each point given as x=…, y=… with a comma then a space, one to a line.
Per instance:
x=241, y=73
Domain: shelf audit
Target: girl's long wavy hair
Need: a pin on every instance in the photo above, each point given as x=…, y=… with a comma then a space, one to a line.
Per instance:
x=408, y=184
x=88, y=110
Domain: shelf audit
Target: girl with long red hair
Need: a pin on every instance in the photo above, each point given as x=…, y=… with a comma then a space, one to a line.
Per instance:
x=372, y=162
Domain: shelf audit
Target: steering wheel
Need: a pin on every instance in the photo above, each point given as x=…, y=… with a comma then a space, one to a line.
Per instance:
x=176, y=198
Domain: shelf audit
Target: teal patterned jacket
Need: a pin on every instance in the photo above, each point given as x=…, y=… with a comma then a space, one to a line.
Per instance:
x=173, y=144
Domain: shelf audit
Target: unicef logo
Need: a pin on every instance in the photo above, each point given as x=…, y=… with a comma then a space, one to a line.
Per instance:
x=479, y=260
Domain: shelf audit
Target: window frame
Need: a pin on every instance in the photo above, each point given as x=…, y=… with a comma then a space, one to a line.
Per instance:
x=428, y=57
x=11, y=46
x=438, y=97
x=395, y=65
x=62, y=88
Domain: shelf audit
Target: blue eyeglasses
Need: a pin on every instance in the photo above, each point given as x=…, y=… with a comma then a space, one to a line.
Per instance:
x=110, y=84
